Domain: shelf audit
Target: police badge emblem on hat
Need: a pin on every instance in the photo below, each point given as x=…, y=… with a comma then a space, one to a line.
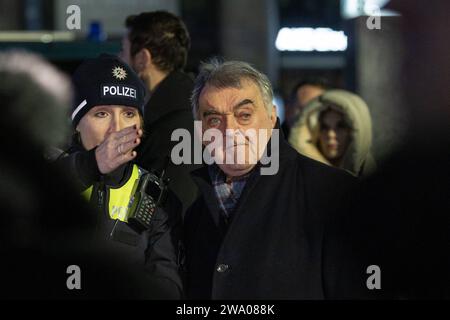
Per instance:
x=106, y=80
x=119, y=73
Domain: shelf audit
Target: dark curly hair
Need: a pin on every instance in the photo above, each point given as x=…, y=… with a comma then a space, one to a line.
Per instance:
x=163, y=34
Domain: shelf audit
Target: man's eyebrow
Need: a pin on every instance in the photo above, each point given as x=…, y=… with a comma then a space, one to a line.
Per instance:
x=243, y=103
x=240, y=104
x=210, y=112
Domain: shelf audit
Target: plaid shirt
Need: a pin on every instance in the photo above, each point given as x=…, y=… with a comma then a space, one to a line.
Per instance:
x=228, y=191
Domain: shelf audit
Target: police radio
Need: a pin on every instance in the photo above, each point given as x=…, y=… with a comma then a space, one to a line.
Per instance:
x=149, y=192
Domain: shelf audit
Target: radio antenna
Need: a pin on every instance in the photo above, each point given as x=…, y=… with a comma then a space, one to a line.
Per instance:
x=163, y=171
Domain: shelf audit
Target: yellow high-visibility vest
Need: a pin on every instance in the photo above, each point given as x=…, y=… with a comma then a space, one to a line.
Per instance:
x=118, y=198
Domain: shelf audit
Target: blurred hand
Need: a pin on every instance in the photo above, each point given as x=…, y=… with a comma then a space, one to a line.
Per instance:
x=117, y=149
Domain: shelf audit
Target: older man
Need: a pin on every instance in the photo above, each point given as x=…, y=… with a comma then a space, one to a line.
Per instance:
x=253, y=234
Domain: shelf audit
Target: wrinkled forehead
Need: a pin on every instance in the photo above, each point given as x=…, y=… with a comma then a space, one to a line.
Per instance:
x=230, y=82
x=240, y=85
x=229, y=94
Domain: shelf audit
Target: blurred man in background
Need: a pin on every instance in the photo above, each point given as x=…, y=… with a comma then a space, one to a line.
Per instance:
x=156, y=46
x=302, y=93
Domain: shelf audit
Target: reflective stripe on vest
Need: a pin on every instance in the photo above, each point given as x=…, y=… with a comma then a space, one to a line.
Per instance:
x=118, y=198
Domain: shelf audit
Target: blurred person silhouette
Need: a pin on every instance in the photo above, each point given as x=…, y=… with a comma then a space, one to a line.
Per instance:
x=405, y=228
x=156, y=46
x=302, y=93
x=336, y=129
x=38, y=75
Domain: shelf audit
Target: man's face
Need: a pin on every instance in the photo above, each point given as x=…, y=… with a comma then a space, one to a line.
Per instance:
x=306, y=93
x=238, y=109
x=126, y=48
x=134, y=61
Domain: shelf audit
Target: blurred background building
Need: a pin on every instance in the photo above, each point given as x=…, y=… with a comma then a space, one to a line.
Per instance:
x=287, y=39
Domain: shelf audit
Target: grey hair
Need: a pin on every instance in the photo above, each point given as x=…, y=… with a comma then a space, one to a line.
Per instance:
x=229, y=74
x=39, y=97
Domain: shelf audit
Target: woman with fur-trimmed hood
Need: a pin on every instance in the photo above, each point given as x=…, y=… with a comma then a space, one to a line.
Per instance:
x=336, y=129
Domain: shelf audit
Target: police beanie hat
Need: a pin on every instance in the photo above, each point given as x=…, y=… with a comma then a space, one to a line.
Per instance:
x=106, y=80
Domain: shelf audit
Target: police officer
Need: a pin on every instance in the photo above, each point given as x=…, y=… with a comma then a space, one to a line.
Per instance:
x=107, y=118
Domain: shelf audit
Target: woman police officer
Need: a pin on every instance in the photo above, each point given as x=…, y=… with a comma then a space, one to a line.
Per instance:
x=107, y=118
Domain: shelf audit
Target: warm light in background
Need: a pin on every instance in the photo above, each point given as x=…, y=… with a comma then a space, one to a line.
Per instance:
x=309, y=39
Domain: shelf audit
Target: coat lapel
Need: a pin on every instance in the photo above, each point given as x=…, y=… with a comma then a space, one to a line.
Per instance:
x=203, y=181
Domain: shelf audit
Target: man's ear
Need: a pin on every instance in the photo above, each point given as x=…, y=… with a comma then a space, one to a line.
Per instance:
x=142, y=59
x=273, y=117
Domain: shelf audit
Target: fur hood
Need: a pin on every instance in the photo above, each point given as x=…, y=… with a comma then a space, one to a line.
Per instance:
x=304, y=134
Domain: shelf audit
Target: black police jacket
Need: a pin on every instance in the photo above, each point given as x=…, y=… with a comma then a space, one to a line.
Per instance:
x=152, y=255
